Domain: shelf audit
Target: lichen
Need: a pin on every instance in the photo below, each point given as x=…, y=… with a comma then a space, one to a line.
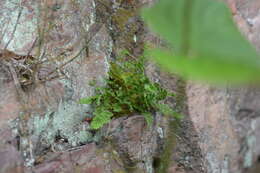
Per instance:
x=90, y=20
x=66, y=122
x=225, y=167
x=251, y=143
x=149, y=165
x=21, y=36
x=213, y=164
x=248, y=159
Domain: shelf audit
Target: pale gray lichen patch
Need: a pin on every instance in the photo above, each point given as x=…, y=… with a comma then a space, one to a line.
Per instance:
x=160, y=132
x=149, y=165
x=251, y=145
x=225, y=165
x=66, y=122
x=248, y=159
x=213, y=163
x=18, y=34
x=89, y=20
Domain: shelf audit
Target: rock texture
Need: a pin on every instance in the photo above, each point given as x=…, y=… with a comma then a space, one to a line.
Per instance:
x=227, y=119
x=50, y=51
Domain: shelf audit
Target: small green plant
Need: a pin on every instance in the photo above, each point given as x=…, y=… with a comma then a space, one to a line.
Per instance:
x=128, y=90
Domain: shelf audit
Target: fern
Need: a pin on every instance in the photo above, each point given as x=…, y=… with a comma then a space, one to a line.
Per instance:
x=148, y=118
x=101, y=117
x=128, y=90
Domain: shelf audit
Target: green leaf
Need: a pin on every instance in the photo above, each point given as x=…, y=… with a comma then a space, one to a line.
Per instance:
x=165, y=109
x=206, y=43
x=148, y=118
x=98, y=99
x=168, y=111
x=101, y=117
x=116, y=108
x=149, y=88
x=213, y=70
x=124, y=53
x=87, y=100
x=178, y=116
x=171, y=94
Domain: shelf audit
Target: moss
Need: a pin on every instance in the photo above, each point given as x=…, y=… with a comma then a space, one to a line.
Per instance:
x=121, y=18
x=118, y=171
x=125, y=26
x=25, y=30
x=248, y=158
x=163, y=163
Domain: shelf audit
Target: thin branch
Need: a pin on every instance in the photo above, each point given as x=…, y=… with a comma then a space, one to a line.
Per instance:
x=33, y=45
x=80, y=51
x=62, y=65
x=96, y=29
x=16, y=80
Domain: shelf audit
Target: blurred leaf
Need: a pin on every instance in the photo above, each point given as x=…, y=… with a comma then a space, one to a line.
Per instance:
x=206, y=43
x=178, y=116
x=210, y=69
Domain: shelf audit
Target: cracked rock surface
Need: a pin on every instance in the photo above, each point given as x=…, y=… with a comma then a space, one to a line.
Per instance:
x=50, y=51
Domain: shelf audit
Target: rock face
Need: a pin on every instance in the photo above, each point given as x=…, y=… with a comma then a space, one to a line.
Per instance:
x=51, y=50
x=227, y=119
x=11, y=159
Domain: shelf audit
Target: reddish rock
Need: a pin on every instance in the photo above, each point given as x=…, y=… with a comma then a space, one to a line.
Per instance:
x=11, y=160
x=135, y=142
x=87, y=159
x=227, y=119
x=219, y=134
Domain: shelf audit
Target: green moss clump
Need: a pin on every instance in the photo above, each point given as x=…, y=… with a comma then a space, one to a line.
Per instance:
x=128, y=90
x=170, y=141
x=121, y=18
